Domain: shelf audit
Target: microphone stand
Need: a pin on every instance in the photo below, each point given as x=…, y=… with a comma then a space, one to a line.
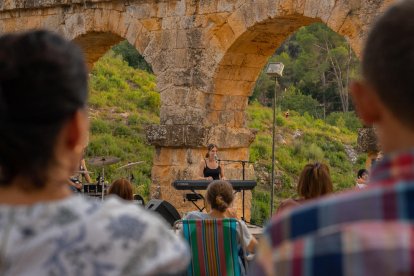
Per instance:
x=243, y=162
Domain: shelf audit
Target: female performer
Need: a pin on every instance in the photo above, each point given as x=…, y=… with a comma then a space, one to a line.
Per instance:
x=209, y=167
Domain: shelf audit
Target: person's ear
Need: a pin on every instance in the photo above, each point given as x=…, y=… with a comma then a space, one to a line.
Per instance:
x=366, y=102
x=77, y=132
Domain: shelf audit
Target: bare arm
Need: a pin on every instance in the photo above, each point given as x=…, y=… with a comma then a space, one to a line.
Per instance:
x=251, y=247
x=286, y=205
x=222, y=172
x=87, y=177
x=201, y=171
x=76, y=185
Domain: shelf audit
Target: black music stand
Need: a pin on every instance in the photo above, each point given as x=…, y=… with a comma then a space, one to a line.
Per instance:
x=193, y=199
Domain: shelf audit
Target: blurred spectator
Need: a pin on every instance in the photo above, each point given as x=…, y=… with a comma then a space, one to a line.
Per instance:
x=314, y=181
x=122, y=188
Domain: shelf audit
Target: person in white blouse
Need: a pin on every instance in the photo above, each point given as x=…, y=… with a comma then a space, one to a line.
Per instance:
x=44, y=228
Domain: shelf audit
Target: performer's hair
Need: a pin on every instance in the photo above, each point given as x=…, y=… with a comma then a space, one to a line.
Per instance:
x=209, y=148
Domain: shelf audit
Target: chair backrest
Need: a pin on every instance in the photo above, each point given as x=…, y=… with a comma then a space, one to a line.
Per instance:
x=214, y=246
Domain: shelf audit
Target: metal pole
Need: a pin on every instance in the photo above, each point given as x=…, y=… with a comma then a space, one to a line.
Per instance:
x=273, y=149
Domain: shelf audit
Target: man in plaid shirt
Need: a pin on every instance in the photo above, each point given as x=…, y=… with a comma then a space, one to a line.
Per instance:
x=368, y=232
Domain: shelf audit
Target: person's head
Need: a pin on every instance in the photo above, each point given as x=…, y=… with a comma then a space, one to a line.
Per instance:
x=363, y=174
x=220, y=195
x=211, y=150
x=314, y=181
x=122, y=188
x=43, y=95
x=385, y=97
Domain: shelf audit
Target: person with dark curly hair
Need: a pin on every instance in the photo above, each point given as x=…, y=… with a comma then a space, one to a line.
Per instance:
x=44, y=228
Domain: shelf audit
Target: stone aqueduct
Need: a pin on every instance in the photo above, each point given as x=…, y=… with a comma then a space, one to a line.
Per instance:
x=207, y=55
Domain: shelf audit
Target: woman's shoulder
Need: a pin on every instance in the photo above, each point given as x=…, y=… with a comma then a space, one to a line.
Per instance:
x=288, y=204
x=197, y=215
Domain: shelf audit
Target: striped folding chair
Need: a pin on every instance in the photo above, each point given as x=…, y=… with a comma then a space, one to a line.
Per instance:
x=214, y=246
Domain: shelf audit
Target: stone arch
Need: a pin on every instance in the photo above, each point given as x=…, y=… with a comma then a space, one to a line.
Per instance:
x=244, y=59
x=252, y=33
x=97, y=30
x=97, y=26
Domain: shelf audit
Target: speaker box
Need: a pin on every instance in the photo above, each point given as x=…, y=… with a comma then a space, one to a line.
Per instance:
x=165, y=209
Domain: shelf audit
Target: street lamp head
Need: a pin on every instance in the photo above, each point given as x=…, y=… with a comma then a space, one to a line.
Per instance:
x=274, y=69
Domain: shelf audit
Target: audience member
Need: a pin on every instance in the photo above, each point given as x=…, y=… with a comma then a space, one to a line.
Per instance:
x=44, y=228
x=220, y=197
x=122, y=188
x=367, y=232
x=362, y=178
x=314, y=181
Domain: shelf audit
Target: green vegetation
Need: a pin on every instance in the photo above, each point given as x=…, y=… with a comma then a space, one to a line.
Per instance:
x=319, y=63
x=300, y=139
x=123, y=100
x=131, y=55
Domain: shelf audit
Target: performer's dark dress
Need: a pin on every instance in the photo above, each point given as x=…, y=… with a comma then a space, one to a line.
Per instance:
x=215, y=173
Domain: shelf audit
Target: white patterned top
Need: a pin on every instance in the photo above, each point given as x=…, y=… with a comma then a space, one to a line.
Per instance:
x=79, y=236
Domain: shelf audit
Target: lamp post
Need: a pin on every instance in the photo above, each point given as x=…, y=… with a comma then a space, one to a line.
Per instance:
x=274, y=69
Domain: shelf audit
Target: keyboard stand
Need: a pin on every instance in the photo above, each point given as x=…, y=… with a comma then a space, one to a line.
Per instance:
x=193, y=198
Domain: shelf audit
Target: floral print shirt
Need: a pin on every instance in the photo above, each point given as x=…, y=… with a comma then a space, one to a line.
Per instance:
x=80, y=236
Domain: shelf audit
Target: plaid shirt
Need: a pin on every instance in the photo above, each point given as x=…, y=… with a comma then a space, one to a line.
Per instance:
x=364, y=232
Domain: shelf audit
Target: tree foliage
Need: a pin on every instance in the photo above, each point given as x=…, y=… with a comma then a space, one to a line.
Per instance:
x=294, y=99
x=319, y=63
x=131, y=55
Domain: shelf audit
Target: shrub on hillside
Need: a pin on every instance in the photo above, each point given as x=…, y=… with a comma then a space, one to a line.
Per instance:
x=261, y=148
x=260, y=207
x=293, y=99
x=99, y=126
x=132, y=56
x=344, y=119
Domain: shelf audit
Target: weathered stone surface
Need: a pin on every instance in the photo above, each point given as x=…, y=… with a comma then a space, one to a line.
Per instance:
x=226, y=137
x=177, y=135
x=96, y=44
x=367, y=140
x=207, y=56
x=194, y=136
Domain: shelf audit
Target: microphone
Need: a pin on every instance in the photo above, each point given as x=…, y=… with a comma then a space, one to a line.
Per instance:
x=216, y=157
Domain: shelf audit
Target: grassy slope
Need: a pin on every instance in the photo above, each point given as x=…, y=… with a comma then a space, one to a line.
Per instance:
x=123, y=100
x=299, y=140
